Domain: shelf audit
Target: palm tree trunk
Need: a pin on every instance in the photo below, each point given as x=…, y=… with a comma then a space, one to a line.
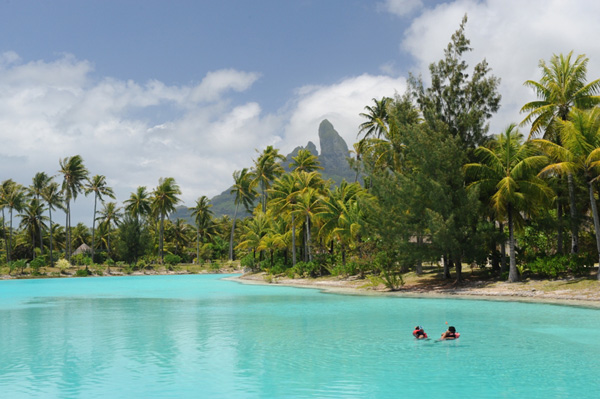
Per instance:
x=93, y=228
x=4, y=230
x=446, y=261
x=458, y=268
x=596, y=222
x=559, y=222
x=293, y=241
x=51, y=255
x=512, y=272
x=160, y=242
x=574, y=224
x=9, y=236
x=232, y=230
x=198, y=246
x=68, y=232
x=308, y=239
x=503, y=268
x=419, y=263
x=41, y=237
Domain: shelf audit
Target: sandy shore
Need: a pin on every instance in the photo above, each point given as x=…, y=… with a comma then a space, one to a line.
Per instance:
x=500, y=291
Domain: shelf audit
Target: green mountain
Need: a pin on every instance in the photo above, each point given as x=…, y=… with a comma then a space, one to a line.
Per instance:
x=333, y=158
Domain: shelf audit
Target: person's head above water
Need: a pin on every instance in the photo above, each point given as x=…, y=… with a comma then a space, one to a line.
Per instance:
x=451, y=329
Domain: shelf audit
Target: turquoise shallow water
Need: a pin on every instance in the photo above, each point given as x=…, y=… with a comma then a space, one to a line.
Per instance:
x=202, y=337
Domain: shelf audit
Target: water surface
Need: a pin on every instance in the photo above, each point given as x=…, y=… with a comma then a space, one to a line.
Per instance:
x=198, y=336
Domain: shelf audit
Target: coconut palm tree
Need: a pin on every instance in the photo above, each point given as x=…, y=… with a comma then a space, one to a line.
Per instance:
x=283, y=199
x=243, y=189
x=39, y=182
x=74, y=176
x=507, y=171
x=579, y=153
x=97, y=185
x=266, y=169
x=139, y=203
x=13, y=198
x=54, y=199
x=376, y=124
x=305, y=161
x=164, y=199
x=109, y=215
x=562, y=87
x=32, y=220
x=253, y=232
x=203, y=219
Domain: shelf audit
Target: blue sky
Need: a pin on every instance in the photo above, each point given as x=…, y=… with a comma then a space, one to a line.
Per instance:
x=191, y=89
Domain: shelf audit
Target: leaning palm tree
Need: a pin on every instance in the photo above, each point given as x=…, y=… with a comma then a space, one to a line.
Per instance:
x=53, y=197
x=244, y=192
x=97, y=185
x=579, y=153
x=202, y=218
x=164, y=199
x=562, y=87
x=507, y=171
x=39, y=182
x=74, y=176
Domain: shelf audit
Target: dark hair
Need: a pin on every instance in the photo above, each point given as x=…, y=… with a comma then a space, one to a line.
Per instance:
x=451, y=329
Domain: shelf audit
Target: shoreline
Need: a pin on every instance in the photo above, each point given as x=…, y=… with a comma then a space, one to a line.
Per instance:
x=509, y=292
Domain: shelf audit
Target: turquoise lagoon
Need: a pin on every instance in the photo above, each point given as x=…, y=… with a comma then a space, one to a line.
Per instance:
x=199, y=336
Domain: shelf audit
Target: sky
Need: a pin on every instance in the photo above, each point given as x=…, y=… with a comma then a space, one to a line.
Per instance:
x=194, y=90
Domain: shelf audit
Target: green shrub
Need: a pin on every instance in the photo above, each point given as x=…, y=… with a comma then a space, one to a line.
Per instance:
x=561, y=265
x=36, y=264
x=109, y=262
x=248, y=261
x=17, y=264
x=306, y=269
x=172, y=259
x=82, y=273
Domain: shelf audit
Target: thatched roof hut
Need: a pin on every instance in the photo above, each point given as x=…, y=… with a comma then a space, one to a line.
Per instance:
x=83, y=249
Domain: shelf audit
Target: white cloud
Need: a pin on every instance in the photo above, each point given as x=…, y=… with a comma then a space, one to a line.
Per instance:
x=401, y=7
x=513, y=36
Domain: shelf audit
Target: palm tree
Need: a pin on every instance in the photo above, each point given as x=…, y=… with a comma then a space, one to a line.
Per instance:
x=97, y=185
x=256, y=228
x=13, y=198
x=305, y=161
x=202, y=218
x=52, y=195
x=507, y=171
x=562, y=87
x=579, y=153
x=80, y=235
x=139, y=203
x=266, y=169
x=39, y=182
x=179, y=231
x=377, y=119
x=283, y=199
x=74, y=176
x=243, y=189
x=110, y=215
x=32, y=220
x=164, y=199
x=341, y=215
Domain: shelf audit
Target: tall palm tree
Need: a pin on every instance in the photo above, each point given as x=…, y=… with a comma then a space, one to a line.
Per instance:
x=256, y=228
x=74, y=176
x=266, y=169
x=579, y=153
x=54, y=199
x=32, y=220
x=109, y=215
x=164, y=199
x=507, y=171
x=376, y=124
x=39, y=182
x=562, y=87
x=13, y=198
x=202, y=218
x=244, y=192
x=305, y=161
x=139, y=203
x=97, y=185
x=283, y=199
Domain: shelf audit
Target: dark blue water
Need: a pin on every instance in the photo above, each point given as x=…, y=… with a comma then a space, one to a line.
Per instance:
x=202, y=337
